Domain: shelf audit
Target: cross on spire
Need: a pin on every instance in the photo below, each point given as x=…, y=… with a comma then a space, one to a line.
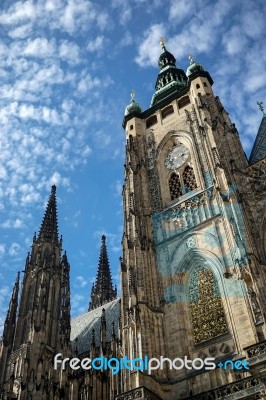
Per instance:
x=102, y=291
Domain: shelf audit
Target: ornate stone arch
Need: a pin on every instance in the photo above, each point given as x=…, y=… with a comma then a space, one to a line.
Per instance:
x=200, y=285
x=171, y=140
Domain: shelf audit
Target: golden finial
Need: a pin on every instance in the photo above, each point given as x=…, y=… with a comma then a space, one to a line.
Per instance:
x=260, y=104
x=191, y=59
x=132, y=95
x=162, y=43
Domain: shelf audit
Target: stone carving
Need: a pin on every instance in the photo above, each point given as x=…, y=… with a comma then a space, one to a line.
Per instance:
x=236, y=390
x=191, y=242
x=189, y=179
x=175, y=186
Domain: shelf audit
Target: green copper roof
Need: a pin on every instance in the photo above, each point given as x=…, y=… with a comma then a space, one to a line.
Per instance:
x=170, y=79
x=194, y=67
x=133, y=106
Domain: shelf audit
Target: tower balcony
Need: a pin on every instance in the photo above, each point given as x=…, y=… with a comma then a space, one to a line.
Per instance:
x=256, y=355
x=194, y=209
x=247, y=388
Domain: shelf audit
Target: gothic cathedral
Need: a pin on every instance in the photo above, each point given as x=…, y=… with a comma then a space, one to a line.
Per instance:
x=193, y=268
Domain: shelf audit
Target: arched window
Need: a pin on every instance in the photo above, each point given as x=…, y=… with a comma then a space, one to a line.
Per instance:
x=205, y=84
x=197, y=85
x=189, y=179
x=167, y=111
x=205, y=304
x=151, y=121
x=175, y=186
x=183, y=102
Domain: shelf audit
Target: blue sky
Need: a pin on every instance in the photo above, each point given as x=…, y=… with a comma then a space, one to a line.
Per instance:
x=67, y=68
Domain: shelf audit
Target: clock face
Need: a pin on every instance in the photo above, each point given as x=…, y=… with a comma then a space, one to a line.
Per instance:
x=177, y=157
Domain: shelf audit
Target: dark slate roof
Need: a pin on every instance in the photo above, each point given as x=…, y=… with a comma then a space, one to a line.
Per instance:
x=259, y=148
x=81, y=326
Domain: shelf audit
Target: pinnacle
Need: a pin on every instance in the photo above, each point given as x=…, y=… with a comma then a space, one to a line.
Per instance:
x=102, y=291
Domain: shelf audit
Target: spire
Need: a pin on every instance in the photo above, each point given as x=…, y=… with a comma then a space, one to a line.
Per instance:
x=171, y=79
x=49, y=228
x=102, y=291
x=10, y=322
x=259, y=148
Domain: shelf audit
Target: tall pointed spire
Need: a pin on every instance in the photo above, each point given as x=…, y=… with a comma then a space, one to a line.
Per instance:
x=11, y=313
x=49, y=227
x=102, y=291
x=9, y=331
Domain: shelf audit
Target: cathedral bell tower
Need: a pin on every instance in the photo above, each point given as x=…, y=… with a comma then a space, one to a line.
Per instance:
x=42, y=328
x=189, y=272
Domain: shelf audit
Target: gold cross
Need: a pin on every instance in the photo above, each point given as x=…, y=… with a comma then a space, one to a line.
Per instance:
x=190, y=57
x=162, y=43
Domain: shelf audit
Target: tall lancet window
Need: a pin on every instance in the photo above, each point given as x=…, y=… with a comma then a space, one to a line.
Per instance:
x=175, y=186
x=189, y=179
x=205, y=304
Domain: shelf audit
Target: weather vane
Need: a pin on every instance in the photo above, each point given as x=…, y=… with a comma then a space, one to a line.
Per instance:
x=260, y=104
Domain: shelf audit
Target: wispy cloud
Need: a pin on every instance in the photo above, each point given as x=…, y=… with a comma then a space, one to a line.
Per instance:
x=80, y=281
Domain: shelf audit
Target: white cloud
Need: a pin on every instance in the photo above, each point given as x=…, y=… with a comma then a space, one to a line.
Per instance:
x=180, y=10
x=40, y=47
x=14, y=249
x=201, y=34
x=20, y=32
x=149, y=50
x=55, y=179
x=69, y=52
x=96, y=44
x=13, y=224
x=2, y=249
x=102, y=139
x=80, y=281
x=20, y=11
x=76, y=301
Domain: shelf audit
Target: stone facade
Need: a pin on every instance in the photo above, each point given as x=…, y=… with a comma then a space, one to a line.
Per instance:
x=193, y=268
x=192, y=271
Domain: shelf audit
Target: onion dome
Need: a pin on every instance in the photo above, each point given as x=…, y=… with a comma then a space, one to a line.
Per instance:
x=171, y=79
x=133, y=107
x=194, y=67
